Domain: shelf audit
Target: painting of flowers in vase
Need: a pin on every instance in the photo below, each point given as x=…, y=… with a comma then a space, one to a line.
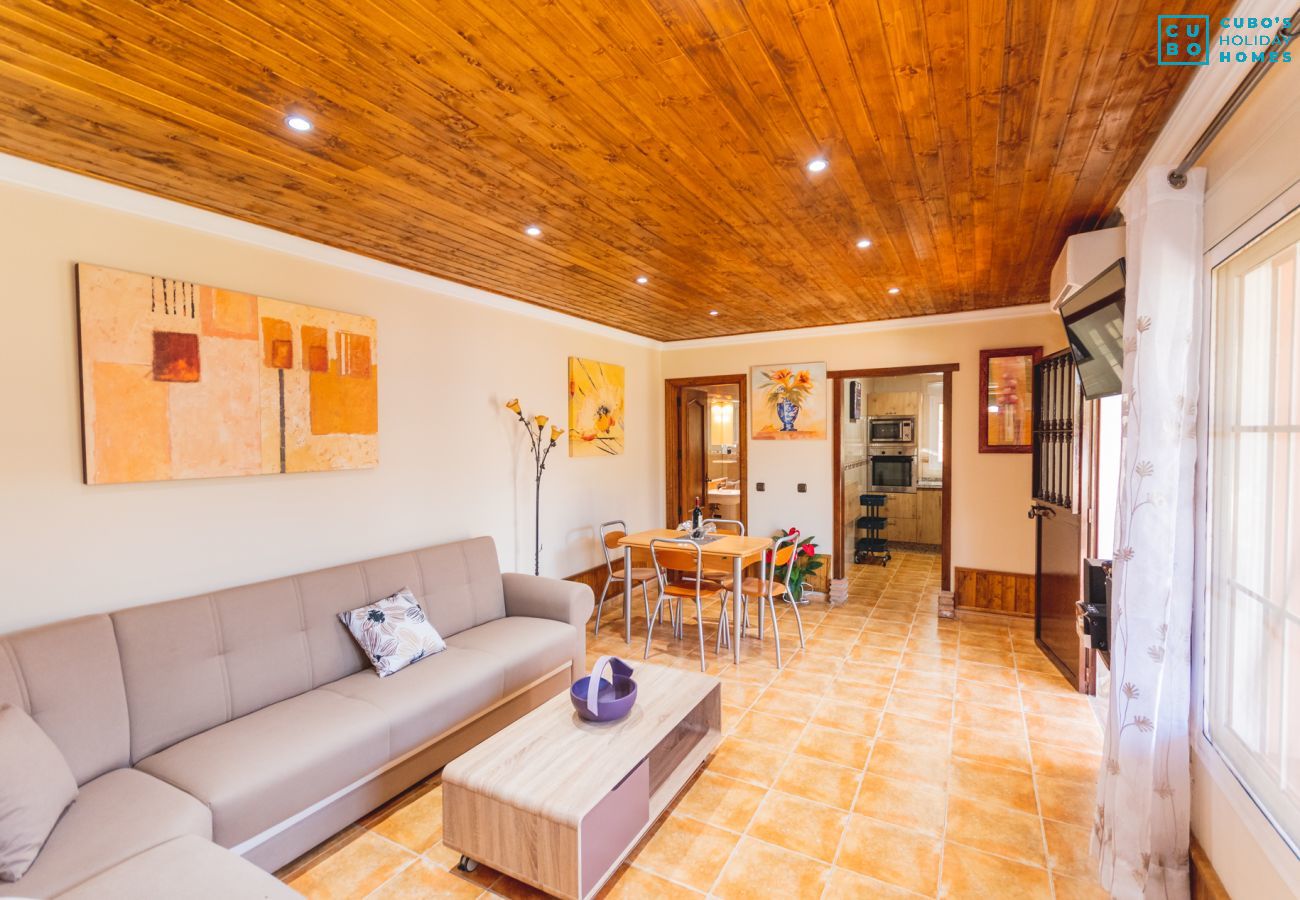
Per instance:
x=789, y=402
x=595, y=408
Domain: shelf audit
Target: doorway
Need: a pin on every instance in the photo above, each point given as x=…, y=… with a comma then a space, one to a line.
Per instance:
x=892, y=438
x=706, y=451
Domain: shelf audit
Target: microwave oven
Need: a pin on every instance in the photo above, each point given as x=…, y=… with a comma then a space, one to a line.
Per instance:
x=891, y=430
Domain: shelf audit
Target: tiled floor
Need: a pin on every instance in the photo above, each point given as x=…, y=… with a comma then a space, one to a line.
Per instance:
x=898, y=755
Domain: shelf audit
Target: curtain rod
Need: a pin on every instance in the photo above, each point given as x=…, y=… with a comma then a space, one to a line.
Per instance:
x=1283, y=36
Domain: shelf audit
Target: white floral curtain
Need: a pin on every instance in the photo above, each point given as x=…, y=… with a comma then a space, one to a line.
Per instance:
x=1141, y=829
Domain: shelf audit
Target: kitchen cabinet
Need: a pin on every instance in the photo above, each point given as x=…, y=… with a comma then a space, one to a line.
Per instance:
x=929, y=516
x=894, y=403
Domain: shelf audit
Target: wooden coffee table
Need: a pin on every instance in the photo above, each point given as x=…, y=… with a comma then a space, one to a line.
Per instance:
x=558, y=802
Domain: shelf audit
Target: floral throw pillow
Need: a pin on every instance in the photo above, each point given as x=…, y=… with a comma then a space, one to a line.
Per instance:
x=393, y=632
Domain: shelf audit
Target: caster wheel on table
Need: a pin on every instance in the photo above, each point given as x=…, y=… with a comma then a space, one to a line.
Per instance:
x=466, y=864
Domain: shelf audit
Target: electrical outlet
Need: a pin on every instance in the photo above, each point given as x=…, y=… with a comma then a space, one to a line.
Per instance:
x=761, y=486
x=802, y=488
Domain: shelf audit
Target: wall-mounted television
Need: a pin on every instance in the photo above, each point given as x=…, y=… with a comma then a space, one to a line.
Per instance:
x=1094, y=324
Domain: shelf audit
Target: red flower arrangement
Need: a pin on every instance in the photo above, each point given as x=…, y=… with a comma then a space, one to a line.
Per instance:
x=802, y=564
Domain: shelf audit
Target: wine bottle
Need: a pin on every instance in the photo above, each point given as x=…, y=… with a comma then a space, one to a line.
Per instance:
x=697, y=517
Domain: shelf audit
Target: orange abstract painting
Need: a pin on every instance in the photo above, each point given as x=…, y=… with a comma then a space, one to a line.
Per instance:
x=182, y=380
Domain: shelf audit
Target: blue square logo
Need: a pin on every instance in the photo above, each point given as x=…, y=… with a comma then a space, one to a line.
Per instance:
x=1183, y=40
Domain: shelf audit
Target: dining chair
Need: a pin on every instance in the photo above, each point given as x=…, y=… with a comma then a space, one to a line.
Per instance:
x=679, y=571
x=770, y=589
x=609, y=538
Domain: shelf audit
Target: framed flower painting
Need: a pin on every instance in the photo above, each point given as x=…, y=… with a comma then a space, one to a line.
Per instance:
x=1007, y=399
x=788, y=402
x=595, y=408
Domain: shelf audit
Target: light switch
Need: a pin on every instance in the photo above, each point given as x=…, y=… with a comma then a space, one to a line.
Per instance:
x=803, y=488
x=761, y=486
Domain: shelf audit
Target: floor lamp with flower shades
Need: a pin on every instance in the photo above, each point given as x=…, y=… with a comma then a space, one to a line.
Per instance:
x=541, y=449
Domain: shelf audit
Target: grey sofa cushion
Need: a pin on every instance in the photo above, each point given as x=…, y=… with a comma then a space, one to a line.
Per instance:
x=262, y=768
x=428, y=697
x=68, y=677
x=525, y=647
x=35, y=788
x=116, y=816
x=190, y=665
x=185, y=867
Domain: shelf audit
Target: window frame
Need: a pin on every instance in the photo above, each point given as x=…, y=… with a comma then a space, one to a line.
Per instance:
x=1282, y=848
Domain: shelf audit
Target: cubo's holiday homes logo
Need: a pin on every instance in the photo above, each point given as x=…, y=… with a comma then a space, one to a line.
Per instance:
x=1184, y=40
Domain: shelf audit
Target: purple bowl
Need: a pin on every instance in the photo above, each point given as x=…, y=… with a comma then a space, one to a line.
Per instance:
x=613, y=699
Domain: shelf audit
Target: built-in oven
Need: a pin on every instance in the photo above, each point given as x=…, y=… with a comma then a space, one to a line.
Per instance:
x=892, y=469
x=891, y=430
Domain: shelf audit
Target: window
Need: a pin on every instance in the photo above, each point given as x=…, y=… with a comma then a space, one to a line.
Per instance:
x=1253, y=579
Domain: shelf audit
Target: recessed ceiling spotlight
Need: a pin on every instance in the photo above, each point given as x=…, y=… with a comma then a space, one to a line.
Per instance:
x=894, y=290
x=643, y=279
x=863, y=243
x=298, y=123
x=818, y=165
x=533, y=231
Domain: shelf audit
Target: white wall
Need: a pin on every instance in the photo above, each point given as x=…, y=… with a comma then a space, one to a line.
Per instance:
x=990, y=490
x=452, y=462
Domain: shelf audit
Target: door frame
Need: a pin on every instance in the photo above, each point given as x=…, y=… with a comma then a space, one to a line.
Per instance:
x=838, y=378
x=672, y=439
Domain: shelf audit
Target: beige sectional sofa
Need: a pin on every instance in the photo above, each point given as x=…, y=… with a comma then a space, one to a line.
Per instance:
x=250, y=718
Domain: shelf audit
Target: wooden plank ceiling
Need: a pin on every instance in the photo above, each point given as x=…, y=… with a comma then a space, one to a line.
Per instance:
x=667, y=138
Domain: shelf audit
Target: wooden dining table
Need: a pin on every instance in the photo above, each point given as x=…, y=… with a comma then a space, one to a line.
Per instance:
x=732, y=550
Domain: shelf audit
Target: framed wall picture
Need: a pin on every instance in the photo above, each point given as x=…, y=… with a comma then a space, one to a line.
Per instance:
x=788, y=402
x=186, y=380
x=1007, y=399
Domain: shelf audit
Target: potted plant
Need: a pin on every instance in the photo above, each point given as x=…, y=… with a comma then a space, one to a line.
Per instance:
x=802, y=564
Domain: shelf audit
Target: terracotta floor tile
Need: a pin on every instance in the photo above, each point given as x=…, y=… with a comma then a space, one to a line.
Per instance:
x=917, y=732
x=903, y=803
x=757, y=871
x=1067, y=800
x=1080, y=734
x=834, y=746
x=993, y=784
x=637, y=884
x=1067, y=849
x=802, y=681
x=822, y=782
x=1078, y=888
x=747, y=761
x=868, y=673
x=787, y=704
x=422, y=879
x=740, y=693
x=354, y=869
x=1008, y=750
x=926, y=683
x=721, y=801
x=847, y=716
x=920, y=706
x=686, y=851
x=1058, y=762
x=907, y=859
x=874, y=696
x=986, y=694
x=414, y=821
x=845, y=884
x=990, y=718
x=894, y=760
x=970, y=874
x=1050, y=682
x=800, y=825
x=974, y=671
x=996, y=829
x=771, y=731
x=1074, y=706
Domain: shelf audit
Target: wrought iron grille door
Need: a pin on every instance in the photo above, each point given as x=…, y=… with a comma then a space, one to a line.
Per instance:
x=1056, y=402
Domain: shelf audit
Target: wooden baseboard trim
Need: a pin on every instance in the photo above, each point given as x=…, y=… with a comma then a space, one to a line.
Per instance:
x=990, y=591
x=1205, y=881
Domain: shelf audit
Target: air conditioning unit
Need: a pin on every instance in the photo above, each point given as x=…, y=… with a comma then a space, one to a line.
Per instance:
x=1084, y=257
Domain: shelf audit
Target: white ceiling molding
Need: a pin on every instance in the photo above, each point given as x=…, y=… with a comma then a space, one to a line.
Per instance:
x=957, y=318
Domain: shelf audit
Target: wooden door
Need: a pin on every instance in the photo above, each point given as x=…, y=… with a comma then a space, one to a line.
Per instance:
x=694, y=454
x=1056, y=509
